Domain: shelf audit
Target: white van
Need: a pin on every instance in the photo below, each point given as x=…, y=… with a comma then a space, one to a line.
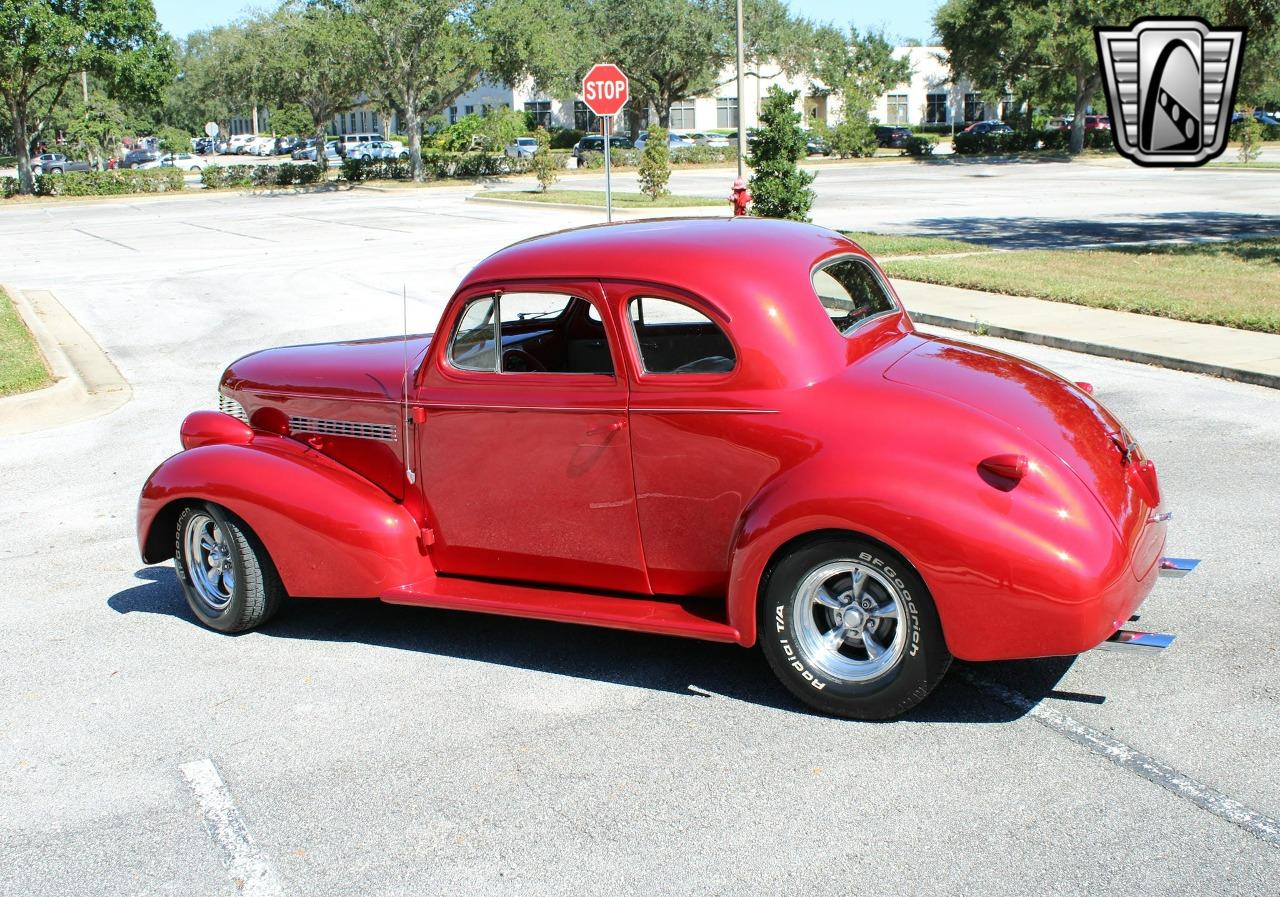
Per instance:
x=346, y=141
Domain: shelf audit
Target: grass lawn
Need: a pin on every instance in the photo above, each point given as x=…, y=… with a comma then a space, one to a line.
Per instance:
x=596, y=198
x=894, y=244
x=1255, y=165
x=1236, y=284
x=21, y=365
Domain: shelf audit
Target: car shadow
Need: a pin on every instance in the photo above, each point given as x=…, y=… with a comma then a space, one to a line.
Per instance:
x=1064, y=233
x=680, y=666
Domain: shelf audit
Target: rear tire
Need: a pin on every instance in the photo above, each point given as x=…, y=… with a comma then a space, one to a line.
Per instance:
x=851, y=630
x=226, y=574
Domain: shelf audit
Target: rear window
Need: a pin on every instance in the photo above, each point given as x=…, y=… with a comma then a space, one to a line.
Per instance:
x=851, y=292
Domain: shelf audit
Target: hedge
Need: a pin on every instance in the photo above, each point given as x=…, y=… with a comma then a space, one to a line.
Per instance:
x=1269, y=132
x=110, y=183
x=1028, y=141
x=283, y=175
x=681, y=155
x=8, y=187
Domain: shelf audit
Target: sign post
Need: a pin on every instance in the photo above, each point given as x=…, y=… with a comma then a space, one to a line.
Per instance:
x=605, y=90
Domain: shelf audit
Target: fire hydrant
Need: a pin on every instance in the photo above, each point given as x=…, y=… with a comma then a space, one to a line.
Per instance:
x=739, y=197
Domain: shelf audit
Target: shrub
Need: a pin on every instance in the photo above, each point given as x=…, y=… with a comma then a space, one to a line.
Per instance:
x=854, y=137
x=591, y=159
x=1099, y=140
x=356, y=170
x=996, y=142
x=113, y=182
x=544, y=164
x=8, y=187
x=565, y=138
x=702, y=155
x=780, y=189
x=919, y=147
x=216, y=176
x=655, y=164
x=1249, y=133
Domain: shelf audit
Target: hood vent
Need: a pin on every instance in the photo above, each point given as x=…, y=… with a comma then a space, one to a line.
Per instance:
x=354, y=429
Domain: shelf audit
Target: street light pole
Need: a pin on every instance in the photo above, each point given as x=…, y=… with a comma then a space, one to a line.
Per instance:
x=742, y=126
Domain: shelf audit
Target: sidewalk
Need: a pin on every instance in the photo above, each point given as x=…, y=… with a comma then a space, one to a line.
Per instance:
x=1242, y=355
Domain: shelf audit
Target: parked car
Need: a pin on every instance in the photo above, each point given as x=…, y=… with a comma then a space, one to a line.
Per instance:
x=184, y=161
x=346, y=141
x=988, y=127
x=816, y=144
x=57, y=163
x=651, y=446
x=286, y=145
x=1266, y=118
x=594, y=143
x=139, y=155
x=522, y=148
x=205, y=145
x=1091, y=123
x=892, y=136
x=713, y=140
x=260, y=146
x=309, y=154
x=377, y=149
x=674, y=140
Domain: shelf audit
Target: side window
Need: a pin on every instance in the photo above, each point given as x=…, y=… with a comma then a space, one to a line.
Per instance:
x=850, y=292
x=473, y=341
x=675, y=338
x=523, y=333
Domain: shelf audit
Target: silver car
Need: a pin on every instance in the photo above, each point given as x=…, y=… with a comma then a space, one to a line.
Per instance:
x=376, y=149
x=522, y=148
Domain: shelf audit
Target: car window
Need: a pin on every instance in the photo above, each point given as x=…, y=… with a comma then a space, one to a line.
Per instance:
x=676, y=338
x=850, y=292
x=473, y=341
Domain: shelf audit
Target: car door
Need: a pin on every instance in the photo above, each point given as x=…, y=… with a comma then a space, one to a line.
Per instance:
x=703, y=445
x=524, y=451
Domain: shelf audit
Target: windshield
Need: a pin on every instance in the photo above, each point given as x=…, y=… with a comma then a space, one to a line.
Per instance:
x=851, y=293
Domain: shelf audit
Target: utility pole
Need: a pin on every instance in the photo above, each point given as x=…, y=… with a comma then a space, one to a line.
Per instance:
x=84, y=85
x=742, y=126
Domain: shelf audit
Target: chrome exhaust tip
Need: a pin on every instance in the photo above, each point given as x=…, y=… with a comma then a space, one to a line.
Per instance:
x=1137, y=642
x=1177, y=567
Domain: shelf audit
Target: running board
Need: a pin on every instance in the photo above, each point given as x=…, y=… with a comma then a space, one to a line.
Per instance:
x=689, y=618
x=1137, y=642
x=1177, y=567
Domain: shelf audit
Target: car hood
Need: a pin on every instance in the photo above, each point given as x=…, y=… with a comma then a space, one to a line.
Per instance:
x=367, y=370
x=1050, y=410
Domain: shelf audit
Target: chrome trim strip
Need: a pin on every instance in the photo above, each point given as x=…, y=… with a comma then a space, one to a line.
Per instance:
x=1177, y=567
x=706, y=410
x=228, y=405
x=1137, y=642
x=354, y=429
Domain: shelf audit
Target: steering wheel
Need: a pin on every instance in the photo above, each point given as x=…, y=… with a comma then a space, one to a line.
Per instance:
x=518, y=361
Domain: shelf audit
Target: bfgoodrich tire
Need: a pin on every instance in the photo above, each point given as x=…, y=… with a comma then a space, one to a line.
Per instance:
x=851, y=630
x=226, y=575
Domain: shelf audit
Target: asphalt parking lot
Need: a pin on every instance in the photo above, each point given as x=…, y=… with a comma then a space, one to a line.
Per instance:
x=390, y=750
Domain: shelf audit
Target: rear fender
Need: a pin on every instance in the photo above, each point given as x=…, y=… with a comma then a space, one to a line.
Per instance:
x=330, y=533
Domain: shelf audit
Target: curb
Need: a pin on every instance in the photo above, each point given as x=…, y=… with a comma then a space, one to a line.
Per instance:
x=86, y=382
x=1257, y=378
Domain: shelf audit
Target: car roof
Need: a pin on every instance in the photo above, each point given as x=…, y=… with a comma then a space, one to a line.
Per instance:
x=756, y=271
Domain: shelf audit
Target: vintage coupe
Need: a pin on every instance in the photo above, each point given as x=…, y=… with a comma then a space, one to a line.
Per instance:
x=720, y=429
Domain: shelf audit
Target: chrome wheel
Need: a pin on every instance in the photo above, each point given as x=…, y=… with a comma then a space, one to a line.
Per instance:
x=209, y=562
x=848, y=621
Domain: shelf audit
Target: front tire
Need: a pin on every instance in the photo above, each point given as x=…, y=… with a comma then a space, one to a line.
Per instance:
x=851, y=630
x=226, y=574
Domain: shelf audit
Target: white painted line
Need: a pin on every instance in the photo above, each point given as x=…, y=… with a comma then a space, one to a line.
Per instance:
x=1156, y=771
x=250, y=872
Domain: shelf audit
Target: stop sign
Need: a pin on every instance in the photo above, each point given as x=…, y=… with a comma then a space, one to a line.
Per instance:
x=605, y=89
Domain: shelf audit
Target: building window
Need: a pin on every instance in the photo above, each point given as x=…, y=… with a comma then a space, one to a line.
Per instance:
x=972, y=107
x=470, y=110
x=583, y=118
x=897, y=109
x=541, y=112
x=364, y=118
x=935, y=109
x=485, y=109
x=682, y=115
x=453, y=115
x=373, y=120
x=1007, y=109
x=726, y=112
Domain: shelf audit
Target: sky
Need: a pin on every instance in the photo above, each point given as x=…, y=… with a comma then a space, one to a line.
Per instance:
x=899, y=18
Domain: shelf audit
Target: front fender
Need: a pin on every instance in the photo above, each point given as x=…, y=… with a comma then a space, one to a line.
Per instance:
x=330, y=533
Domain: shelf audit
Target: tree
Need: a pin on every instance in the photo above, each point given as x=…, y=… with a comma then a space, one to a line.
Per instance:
x=173, y=140
x=92, y=130
x=655, y=164
x=291, y=118
x=45, y=45
x=424, y=54
x=780, y=189
x=857, y=66
x=311, y=67
x=544, y=163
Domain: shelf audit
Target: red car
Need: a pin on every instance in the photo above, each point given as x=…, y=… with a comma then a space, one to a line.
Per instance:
x=720, y=429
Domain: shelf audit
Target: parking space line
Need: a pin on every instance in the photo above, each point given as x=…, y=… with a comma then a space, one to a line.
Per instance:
x=1156, y=771
x=105, y=239
x=250, y=872
x=350, y=224
x=231, y=232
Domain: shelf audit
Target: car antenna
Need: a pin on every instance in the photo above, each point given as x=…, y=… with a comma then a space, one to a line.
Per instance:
x=404, y=386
